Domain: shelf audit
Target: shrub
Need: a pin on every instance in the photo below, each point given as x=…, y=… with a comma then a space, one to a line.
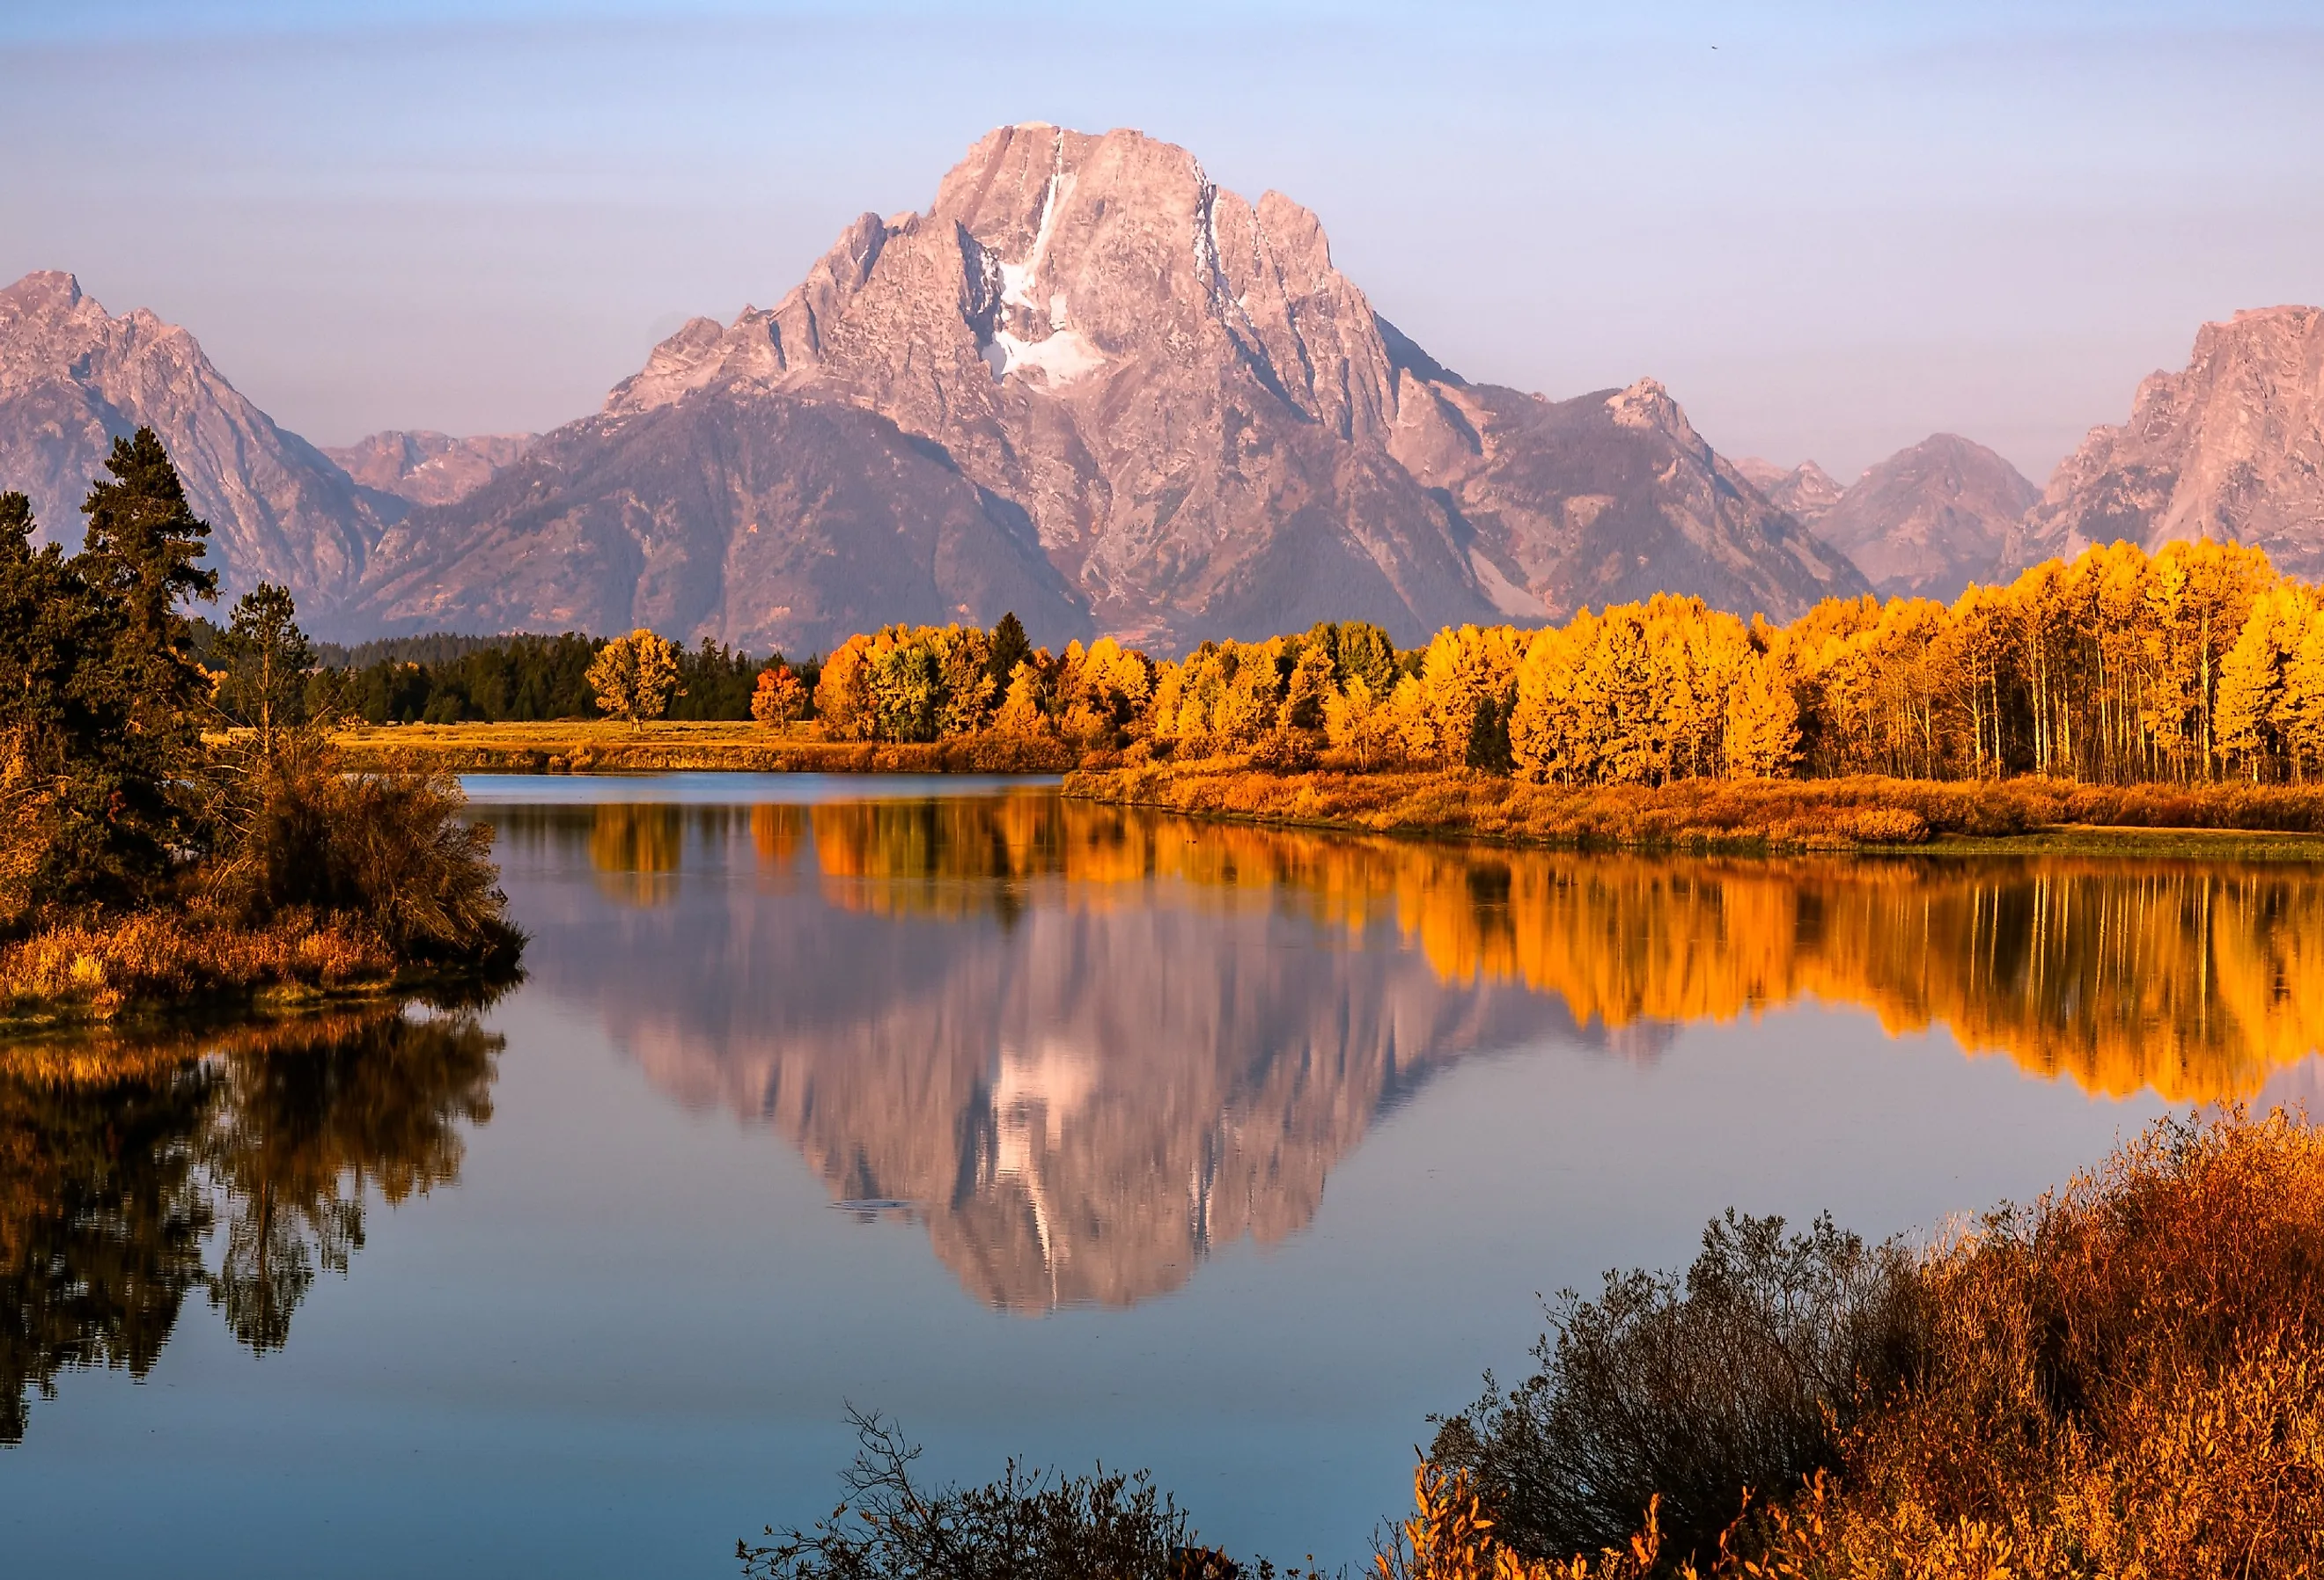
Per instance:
x=2122, y=1381
x=1029, y=1525
x=393, y=849
x=1690, y=1391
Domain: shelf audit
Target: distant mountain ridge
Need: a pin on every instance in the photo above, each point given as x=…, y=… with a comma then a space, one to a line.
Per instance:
x=426, y=468
x=1804, y=493
x=1090, y=385
x=1930, y=519
x=74, y=377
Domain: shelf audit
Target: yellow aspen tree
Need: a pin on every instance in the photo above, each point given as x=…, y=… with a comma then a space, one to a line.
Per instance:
x=1019, y=714
x=964, y=667
x=1359, y=724
x=843, y=695
x=778, y=697
x=1309, y=690
x=1544, y=733
x=1763, y=723
x=2300, y=709
x=635, y=677
x=2251, y=683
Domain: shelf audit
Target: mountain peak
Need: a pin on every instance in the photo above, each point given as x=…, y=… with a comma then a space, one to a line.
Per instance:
x=1930, y=519
x=73, y=378
x=1089, y=380
x=52, y=289
x=2230, y=448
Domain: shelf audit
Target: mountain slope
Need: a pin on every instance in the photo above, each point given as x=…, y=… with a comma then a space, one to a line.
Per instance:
x=1929, y=520
x=74, y=377
x=770, y=521
x=1605, y=498
x=1172, y=392
x=2230, y=448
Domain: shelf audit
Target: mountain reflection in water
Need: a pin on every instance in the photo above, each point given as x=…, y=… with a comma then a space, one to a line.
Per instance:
x=135, y=1171
x=1089, y=1044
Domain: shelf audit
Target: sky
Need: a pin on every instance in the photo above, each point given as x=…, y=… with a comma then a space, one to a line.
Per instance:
x=1830, y=229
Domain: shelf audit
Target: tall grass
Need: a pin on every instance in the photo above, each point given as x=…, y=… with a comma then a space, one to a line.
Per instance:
x=101, y=966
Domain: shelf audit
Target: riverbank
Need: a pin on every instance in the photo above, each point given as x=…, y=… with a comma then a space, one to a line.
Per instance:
x=156, y=965
x=606, y=747
x=1866, y=813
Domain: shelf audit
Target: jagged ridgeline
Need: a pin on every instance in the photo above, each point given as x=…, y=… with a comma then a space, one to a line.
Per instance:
x=1089, y=385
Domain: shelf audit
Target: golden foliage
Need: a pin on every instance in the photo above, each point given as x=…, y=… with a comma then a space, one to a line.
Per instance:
x=2195, y=980
x=778, y=698
x=635, y=677
x=1450, y=1537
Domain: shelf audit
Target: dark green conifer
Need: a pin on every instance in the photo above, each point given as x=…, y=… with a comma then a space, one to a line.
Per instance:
x=1011, y=646
x=267, y=659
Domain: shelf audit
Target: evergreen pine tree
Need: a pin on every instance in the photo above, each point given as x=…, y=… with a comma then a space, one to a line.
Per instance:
x=128, y=772
x=268, y=660
x=1010, y=648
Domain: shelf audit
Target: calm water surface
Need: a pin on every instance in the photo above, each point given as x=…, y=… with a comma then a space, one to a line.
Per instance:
x=1050, y=1129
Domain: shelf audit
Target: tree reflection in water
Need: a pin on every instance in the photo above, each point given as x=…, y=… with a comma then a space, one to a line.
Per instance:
x=2195, y=979
x=1086, y=1045
x=119, y=1158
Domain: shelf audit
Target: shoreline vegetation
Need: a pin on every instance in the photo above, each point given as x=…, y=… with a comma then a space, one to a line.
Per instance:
x=1866, y=813
x=668, y=746
x=2119, y=1381
x=180, y=838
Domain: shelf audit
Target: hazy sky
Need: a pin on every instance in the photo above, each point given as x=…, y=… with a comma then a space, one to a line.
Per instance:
x=1830, y=229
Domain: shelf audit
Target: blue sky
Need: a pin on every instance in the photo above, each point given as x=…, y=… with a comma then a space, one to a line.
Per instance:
x=1840, y=229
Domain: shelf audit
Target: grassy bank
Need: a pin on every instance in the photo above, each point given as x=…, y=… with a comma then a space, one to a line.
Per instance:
x=1836, y=814
x=588, y=745
x=152, y=964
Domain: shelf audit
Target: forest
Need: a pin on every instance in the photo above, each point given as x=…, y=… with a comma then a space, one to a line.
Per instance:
x=2195, y=665
x=515, y=678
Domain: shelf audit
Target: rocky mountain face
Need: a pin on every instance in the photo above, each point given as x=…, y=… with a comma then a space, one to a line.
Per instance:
x=425, y=467
x=1604, y=498
x=1805, y=493
x=74, y=377
x=1089, y=384
x=2231, y=448
x=1930, y=519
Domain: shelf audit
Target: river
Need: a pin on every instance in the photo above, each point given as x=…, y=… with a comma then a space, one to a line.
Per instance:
x=1048, y=1129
